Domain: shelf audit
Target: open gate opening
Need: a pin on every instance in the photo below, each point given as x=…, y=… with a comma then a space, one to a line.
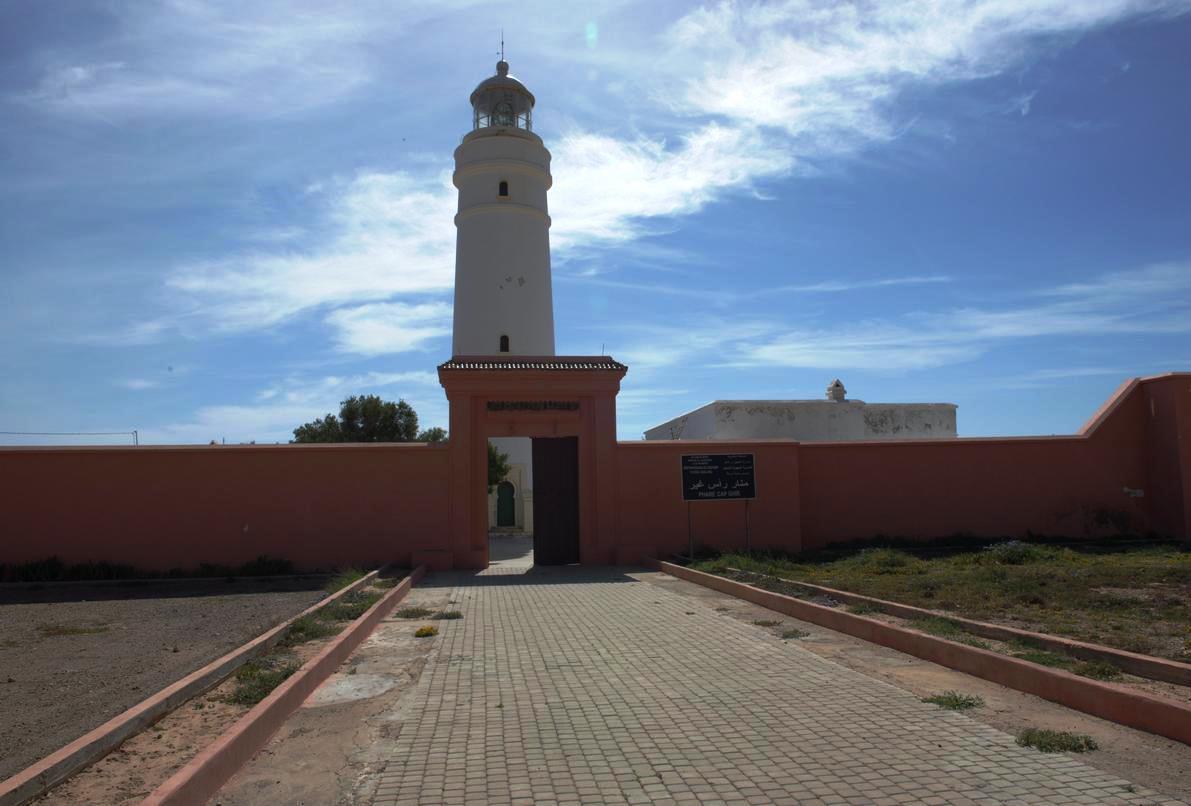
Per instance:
x=567, y=405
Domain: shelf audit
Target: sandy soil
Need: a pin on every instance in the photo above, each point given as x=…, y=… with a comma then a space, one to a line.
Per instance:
x=68, y=666
x=1155, y=762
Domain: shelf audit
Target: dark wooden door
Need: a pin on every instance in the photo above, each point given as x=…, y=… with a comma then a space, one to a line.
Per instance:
x=506, y=508
x=555, y=500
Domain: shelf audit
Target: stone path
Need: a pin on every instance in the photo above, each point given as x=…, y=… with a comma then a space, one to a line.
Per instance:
x=592, y=686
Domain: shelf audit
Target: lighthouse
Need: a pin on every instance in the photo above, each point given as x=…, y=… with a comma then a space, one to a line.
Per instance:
x=503, y=298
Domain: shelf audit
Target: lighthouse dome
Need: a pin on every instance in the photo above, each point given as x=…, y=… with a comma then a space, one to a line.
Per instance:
x=501, y=101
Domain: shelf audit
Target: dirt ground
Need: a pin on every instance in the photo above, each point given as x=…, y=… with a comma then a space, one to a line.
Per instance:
x=330, y=750
x=72, y=657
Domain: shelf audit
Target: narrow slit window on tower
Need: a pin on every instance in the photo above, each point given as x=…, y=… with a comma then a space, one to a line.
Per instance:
x=503, y=192
x=504, y=344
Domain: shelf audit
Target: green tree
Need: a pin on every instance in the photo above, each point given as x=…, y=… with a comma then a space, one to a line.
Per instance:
x=498, y=466
x=433, y=435
x=363, y=418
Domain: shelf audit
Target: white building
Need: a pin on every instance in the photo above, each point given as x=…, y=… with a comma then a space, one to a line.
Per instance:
x=503, y=298
x=833, y=419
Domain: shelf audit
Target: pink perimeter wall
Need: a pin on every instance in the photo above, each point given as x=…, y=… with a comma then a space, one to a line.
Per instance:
x=174, y=507
x=1129, y=469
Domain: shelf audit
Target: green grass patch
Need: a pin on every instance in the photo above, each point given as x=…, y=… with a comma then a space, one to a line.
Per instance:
x=764, y=622
x=349, y=607
x=946, y=628
x=342, y=579
x=1056, y=741
x=792, y=634
x=448, y=615
x=425, y=632
x=954, y=701
x=307, y=628
x=258, y=677
x=413, y=612
x=1124, y=593
x=862, y=609
x=56, y=630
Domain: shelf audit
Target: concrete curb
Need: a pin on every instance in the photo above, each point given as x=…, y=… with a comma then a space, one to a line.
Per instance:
x=1169, y=671
x=94, y=745
x=1142, y=711
x=203, y=776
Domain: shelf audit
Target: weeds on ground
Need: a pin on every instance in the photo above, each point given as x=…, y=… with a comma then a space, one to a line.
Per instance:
x=946, y=628
x=342, y=579
x=1056, y=741
x=1095, y=669
x=349, y=607
x=306, y=628
x=413, y=612
x=387, y=582
x=790, y=634
x=1096, y=592
x=448, y=615
x=862, y=609
x=258, y=677
x=954, y=701
x=55, y=630
x=764, y=622
x=425, y=632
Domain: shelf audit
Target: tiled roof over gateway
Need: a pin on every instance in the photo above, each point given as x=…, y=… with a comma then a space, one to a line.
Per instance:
x=549, y=363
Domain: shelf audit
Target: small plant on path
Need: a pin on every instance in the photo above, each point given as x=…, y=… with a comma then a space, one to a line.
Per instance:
x=954, y=701
x=448, y=615
x=426, y=632
x=792, y=633
x=1056, y=741
x=764, y=622
x=413, y=612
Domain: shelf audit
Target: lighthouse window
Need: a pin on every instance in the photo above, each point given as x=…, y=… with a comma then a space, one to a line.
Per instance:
x=504, y=344
x=503, y=115
x=504, y=189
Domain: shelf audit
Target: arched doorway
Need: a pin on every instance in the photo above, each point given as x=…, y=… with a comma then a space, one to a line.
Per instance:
x=506, y=511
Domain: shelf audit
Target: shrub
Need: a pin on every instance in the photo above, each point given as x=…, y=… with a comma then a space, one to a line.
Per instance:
x=1011, y=552
x=342, y=579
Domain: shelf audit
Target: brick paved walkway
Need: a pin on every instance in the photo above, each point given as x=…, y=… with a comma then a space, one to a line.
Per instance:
x=591, y=686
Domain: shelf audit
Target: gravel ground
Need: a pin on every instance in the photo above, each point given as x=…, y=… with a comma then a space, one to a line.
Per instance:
x=68, y=666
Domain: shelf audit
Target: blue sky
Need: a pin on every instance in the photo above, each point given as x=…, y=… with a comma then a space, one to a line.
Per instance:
x=217, y=220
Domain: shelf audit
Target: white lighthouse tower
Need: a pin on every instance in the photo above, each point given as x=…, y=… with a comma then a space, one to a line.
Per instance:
x=503, y=300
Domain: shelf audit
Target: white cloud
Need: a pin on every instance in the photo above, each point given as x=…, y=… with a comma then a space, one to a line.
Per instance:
x=139, y=384
x=758, y=89
x=389, y=327
x=281, y=408
x=389, y=234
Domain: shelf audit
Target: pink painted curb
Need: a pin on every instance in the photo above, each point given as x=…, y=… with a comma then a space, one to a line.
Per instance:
x=1142, y=711
x=94, y=745
x=1170, y=671
x=202, y=777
